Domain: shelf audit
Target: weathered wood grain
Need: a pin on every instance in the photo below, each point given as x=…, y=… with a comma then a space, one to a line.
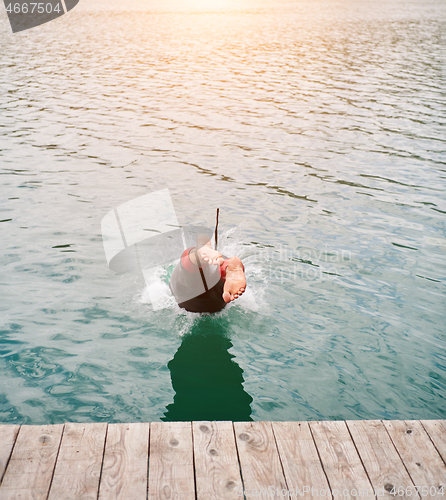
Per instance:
x=30, y=468
x=384, y=467
x=79, y=463
x=398, y=459
x=340, y=459
x=259, y=458
x=126, y=462
x=437, y=432
x=217, y=472
x=171, y=469
x=424, y=464
x=300, y=461
x=8, y=435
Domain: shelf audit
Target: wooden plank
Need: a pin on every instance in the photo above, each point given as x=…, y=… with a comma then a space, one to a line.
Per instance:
x=301, y=464
x=217, y=472
x=8, y=435
x=424, y=464
x=171, y=469
x=437, y=432
x=126, y=462
x=79, y=463
x=30, y=468
x=340, y=459
x=259, y=459
x=384, y=467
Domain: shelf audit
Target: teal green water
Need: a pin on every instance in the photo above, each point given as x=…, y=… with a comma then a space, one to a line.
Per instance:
x=316, y=127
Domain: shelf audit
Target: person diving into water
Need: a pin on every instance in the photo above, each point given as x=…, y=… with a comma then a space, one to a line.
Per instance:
x=143, y=235
x=205, y=280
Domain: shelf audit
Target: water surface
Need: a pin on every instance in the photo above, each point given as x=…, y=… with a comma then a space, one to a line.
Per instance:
x=316, y=127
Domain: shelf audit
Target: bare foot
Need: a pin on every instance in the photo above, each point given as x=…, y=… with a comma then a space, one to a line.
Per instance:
x=207, y=253
x=235, y=282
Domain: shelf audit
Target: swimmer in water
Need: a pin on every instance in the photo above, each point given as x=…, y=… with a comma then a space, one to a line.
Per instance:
x=205, y=280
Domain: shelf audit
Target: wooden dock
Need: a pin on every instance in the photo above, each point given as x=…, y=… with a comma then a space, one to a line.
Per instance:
x=224, y=460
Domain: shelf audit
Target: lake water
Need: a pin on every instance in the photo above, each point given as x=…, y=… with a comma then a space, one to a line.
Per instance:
x=317, y=128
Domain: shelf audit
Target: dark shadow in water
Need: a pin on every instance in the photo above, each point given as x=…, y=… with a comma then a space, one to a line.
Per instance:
x=207, y=381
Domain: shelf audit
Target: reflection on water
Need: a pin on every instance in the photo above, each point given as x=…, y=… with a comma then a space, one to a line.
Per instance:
x=317, y=128
x=207, y=381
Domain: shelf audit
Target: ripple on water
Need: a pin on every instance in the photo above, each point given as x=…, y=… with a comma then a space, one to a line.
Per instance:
x=315, y=128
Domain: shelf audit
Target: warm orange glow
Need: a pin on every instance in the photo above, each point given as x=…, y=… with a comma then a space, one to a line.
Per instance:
x=209, y=5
